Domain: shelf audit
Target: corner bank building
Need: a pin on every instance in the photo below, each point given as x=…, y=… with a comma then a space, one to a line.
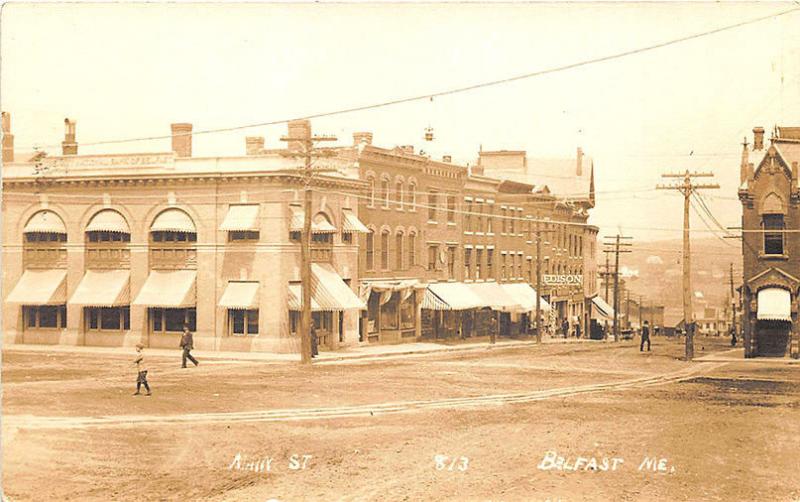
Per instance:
x=771, y=243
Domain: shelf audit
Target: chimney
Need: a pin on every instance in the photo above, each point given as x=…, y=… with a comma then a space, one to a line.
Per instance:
x=745, y=161
x=8, y=139
x=182, y=139
x=579, y=169
x=758, y=138
x=254, y=145
x=69, y=146
x=298, y=129
x=447, y=158
x=362, y=137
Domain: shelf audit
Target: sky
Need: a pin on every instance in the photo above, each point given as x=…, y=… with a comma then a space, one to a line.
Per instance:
x=128, y=71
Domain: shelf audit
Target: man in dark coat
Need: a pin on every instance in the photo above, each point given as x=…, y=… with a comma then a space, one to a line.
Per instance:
x=577, y=330
x=565, y=327
x=187, y=344
x=314, y=340
x=493, y=329
x=645, y=337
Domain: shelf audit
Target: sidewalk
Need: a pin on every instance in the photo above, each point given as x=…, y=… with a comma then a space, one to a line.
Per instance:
x=737, y=356
x=359, y=352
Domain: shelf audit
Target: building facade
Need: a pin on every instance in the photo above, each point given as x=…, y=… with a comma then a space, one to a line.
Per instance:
x=770, y=200
x=115, y=250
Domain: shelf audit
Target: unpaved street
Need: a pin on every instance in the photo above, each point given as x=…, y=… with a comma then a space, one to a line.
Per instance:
x=472, y=426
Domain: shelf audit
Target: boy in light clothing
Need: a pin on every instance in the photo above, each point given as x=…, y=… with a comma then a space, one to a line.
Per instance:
x=141, y=379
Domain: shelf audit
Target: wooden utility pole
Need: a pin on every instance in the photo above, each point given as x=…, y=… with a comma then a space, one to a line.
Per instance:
x=301, y=145
x=628, y=307
x=733, y=303
x=606, y=273
x=615, y=247
x=539, y=243
x=686, y=187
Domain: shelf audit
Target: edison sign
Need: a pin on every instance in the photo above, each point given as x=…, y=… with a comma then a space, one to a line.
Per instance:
x=562, y=280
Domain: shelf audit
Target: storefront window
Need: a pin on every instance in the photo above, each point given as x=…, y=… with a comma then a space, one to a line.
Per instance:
x=408, y=312
x=108, y=318
x=172, y=320
x=243, y=322
x=389, y=312
x=45, y=316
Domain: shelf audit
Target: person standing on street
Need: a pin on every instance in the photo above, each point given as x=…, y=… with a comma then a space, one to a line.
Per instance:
x=141, y=378
x=314, y=340
x=493, y=330
x=565, y=328
x=645, y=337
x=733, y=337
x=577, y=330
x=187, y=344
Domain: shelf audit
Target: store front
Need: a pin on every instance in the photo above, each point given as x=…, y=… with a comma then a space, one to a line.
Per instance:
x=392, y=310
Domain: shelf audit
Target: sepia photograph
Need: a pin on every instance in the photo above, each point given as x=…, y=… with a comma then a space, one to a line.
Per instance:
x=400, y=251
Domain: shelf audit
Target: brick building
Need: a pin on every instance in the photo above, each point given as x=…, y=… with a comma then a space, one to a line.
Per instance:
x=115, y=250
x=770, y=200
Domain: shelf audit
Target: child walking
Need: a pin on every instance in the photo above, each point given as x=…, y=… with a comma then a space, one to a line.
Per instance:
x=141, y=379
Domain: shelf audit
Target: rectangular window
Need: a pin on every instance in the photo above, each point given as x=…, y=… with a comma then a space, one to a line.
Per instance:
x=294, y=236
x=451, y=208
x=490, y=219
x=511, y=223
x=325, y=238
x=110, y=319
x=243, y=322
x=519, y=266
x=45, y=316
x=408, y=312
x=370, y=245
x=294, y=321
x=467, y=263
x=48, y=317
x=503, y=218
x=479, y=217
x=172, y=320
x=390, y=312
x=773, y=234
x=489, y=263
x=243, y=235
x=503, y=264
x=347, y=238
x=468, y=217
x=385, y=192
x=451, y=261
x=433, y=251
x=478, y=262
x=433, y=201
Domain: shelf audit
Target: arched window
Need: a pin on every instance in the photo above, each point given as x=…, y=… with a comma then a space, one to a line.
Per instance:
x=173, y=238
x=385, y=250
x=398, y=250
x=370, y=245
x=398, y=194
x=45, y=241
x=371, y=195
x=412, y=248
x=411, y=196
x=107, y=238
x=385, y=191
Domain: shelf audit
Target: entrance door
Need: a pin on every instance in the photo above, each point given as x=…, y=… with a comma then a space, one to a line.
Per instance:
x=772, y=338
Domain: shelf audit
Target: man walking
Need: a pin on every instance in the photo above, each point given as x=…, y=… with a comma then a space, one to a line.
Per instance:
x=187, y=344
x=314, y=340
x=577, y=330
x=645, y=337
x=141, y=378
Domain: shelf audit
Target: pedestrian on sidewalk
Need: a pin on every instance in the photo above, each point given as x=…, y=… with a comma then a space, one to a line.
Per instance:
x=565, y=328
x=493, y=330
x=733, y=337
x=577, y=330
x=141, y=378
x=645, y=337
x=187, y=344
x=314, y=340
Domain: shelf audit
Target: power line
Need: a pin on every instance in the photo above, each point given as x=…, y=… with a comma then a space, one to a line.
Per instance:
x=457, y=90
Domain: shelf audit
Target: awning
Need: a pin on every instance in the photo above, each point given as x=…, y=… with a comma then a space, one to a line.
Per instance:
x=329, y=292
x=173, y=220
x=774, y=304
x=367, y=287
x=241, y=217
x=451, y=296
x=103, y=288
x=240, y=296
x=525, y=295
x=496, y=297
x=603, y=308
x=168, y=289
x=319, y=223
x=108, y=220
x=40, y=287
x=351, y=223
x=46, y=222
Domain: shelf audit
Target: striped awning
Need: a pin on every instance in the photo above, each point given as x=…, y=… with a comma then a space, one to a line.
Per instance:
x=319, y=223
x=496, y=297
x=168, y=289
x=241, y=217
x=108, y=220
x=329, y=292
x=774, y=304
x=173, y=220
x=351, y=223
x=604, y=309
x=40, y=287
x=451, y=296
x=240, y=295
x=46, y=222
x=525, y=296
x=103, y=288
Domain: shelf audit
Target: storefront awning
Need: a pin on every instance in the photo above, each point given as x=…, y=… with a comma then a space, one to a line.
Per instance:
x=46, y=222
x=168, y=289
x=525, y=296
x=173, y=220
x=40, y=287
x=774, y=304
x=329, y=292
x=319, y=223
x=603, y=308
x=108, y=220
x=451, y=296
x=495, y=296
x=240, y=296
x=351, y=223
x=241, y=217
x=103, y=288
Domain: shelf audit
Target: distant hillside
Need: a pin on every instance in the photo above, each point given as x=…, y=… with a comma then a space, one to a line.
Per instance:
x=654, y=270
